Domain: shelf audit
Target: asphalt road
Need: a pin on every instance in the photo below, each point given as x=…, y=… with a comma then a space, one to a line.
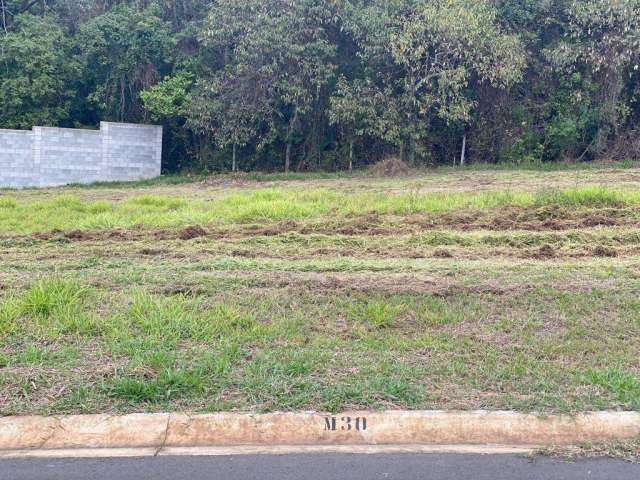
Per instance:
x=320, y=466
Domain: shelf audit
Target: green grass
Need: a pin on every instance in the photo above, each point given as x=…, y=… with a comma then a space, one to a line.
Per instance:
x=343, y=293
x=68, y=212
x=623, y=386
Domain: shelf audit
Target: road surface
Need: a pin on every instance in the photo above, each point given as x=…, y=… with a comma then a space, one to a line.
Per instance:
x=319, y=467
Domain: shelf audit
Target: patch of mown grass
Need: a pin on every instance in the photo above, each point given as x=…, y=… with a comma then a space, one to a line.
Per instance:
x=153, y=211
x=52, y=306
x=168, y=385
x=586, y=196
x=58, y=307
x=272, y=310
x=174, y=179
x=328, y=379
x=163, y=323
x=623, y=386
x=155, y=202
x=47, y=297
x=9, y=313
x=268, y=352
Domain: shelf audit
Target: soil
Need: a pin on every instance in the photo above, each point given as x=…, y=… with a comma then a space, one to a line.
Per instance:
x=602, y=251
x=194, y=231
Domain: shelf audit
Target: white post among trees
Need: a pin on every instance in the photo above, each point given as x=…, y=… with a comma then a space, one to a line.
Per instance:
x=234, y=166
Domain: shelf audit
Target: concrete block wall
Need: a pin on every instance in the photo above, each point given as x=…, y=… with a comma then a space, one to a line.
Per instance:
x=48, y=156
x=17, y=162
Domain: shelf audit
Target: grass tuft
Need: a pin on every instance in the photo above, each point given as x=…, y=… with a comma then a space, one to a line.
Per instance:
x=377, y=313
x=623, y=386
x=51, y=296
x=168, y=385
x=8, y=202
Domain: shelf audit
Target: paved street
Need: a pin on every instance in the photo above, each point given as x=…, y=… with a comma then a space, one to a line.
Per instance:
x=320, y=467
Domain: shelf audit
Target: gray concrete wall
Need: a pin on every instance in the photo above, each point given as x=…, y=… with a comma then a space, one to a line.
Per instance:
x=17, y=163
x=58, y=156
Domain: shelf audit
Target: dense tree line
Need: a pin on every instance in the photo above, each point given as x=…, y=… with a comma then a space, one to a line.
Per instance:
x=327, y=84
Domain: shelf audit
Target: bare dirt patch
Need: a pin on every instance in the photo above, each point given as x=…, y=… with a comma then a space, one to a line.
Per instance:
x=373, y=224
x=392, y=284
x=378, y=224
x=545, y=252
x=191, y=232
x=602, y=251
x=442, y=253
x=237, y=179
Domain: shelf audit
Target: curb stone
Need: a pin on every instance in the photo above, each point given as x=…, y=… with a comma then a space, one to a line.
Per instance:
x=178, y=431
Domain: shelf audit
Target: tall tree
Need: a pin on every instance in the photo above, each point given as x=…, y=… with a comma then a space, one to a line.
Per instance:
x=125, y=51
x=232, y=109
x=604, y=37
x=283, y=45
x=447, y=47
x=38, y=74
x=362, y=110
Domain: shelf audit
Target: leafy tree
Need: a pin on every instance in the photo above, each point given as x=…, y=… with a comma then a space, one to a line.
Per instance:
x=169, y=99
x=360, y=109
x=38, y=73
x=602, y=37
x=168, y=102
x=319, y=81
x=231, y=109
x=442, y=48
x=280, y=44
x=125, y=51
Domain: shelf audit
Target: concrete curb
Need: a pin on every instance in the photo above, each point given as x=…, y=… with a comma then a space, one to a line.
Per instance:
x=179, y=432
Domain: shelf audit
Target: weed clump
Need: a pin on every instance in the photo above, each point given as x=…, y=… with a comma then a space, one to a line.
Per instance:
x=8, y=202
x=47, y=297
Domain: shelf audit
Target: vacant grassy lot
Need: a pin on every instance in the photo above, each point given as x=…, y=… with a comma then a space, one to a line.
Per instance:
x=449, y=289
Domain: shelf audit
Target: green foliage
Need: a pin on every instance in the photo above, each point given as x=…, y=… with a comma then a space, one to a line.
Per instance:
x=267, y=84
x=38, y=74
x=443, y=45
x=125, y=51
x=623, y=386
x=50, y=297
x=169, y=98
x=277, y=57
x=169, y=385
x=377, y=313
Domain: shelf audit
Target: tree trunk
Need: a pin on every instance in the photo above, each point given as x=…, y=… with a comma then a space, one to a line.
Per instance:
x=608, y=121
x=412, y=153
x=292, y=124
x=464, y=150
x=234, y=167
x=287, y=158
x=351, y=156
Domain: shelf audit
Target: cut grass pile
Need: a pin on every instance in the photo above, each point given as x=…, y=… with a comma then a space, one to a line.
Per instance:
x=278, y=302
